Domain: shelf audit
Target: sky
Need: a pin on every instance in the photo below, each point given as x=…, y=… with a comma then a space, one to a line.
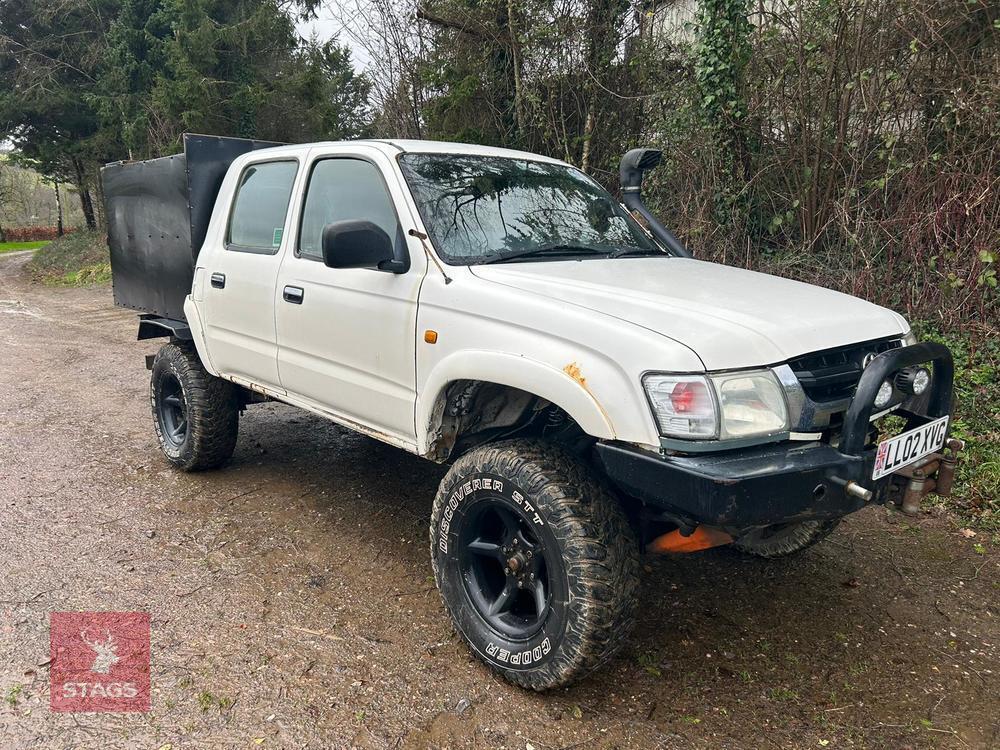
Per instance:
x=326, y=27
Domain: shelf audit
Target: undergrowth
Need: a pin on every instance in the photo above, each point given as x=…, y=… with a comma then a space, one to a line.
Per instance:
x=77, y=259
x=976, y=420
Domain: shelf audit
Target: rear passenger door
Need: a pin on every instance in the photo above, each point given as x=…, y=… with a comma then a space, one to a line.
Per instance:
x=239, y=278
x=346, y=337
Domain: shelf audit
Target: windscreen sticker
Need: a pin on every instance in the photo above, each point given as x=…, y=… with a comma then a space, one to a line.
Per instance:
x=276, y=241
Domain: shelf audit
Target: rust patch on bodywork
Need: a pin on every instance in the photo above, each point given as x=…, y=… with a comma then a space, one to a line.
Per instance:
x=573, y=370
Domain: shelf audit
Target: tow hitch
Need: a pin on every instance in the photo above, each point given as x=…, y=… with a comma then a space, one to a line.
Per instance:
x=934, y=473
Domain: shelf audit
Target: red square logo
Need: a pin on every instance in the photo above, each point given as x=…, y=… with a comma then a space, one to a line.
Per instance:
x=100, y=661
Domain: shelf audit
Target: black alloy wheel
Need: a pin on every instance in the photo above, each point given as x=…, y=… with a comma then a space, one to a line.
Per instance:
x=504, y=569
x=171, y=410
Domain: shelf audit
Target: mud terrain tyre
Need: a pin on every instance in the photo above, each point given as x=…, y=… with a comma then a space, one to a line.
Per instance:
x=196, y=415
x=785, y=539
x=535, y=561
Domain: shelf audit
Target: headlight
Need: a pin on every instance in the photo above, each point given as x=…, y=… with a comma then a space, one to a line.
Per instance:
x=727, y=406
x=683, y=405
x=752, y=404
x=909, y=339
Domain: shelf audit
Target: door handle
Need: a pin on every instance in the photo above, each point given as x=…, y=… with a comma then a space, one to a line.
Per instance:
x=219, y=280
x=293, y=294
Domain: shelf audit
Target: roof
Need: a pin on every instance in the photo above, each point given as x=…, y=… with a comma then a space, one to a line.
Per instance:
x=471, y=149
x=393, y=147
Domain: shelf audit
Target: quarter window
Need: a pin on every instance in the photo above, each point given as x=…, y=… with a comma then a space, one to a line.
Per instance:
x=258, y=219
x=340, y=190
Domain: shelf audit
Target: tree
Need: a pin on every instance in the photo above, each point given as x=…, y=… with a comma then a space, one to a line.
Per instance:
x=93, y=81
x=49, y=61
x=319, y=96
x=228, y=67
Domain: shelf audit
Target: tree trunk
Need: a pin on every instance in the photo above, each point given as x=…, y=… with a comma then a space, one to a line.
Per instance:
x=588, y=134
x=87, y=205
x=86, y=202
x=59, y=211
x=515, y=54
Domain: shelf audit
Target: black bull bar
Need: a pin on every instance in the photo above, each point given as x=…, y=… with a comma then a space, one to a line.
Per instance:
x=792, y=481
x=938, y=401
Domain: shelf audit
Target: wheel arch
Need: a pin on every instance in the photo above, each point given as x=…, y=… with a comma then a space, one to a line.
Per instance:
x=561, y=388
x=198, y=337
x=155, y=326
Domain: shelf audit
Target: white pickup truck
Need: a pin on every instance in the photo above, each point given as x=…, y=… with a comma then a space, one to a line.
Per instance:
x=596, y=391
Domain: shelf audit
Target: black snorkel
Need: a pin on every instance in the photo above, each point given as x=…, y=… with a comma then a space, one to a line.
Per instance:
x=633, y=165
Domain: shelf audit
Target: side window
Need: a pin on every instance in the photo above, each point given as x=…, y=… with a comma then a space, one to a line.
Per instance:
x=341, y=189
x=257, y=220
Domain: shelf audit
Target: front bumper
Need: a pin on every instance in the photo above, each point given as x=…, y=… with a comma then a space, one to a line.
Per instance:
x=779, y=483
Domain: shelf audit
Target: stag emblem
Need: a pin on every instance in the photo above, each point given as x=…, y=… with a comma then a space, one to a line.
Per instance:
x=105, y=656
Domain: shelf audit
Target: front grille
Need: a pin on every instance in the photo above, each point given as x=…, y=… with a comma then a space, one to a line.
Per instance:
x=833, y=374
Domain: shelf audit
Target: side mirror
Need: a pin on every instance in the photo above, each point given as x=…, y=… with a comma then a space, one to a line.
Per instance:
x=357, y=244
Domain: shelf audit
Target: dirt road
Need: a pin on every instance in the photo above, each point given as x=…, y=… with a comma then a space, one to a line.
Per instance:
x=292, y=604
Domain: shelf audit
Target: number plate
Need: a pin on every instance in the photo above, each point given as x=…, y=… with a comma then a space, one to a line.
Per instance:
x=912, y=445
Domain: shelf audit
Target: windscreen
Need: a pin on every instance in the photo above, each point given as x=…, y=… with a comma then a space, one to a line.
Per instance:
x=479, y=208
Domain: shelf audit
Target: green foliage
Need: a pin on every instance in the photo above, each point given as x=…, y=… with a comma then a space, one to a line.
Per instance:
x=535, y=75
x=13, y=694
x=224, y=67
x=207, y=701
x=8, y=247
x=977, y=422
x=49, y=60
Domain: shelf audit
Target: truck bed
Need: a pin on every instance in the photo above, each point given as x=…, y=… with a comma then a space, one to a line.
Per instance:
x=158, y=212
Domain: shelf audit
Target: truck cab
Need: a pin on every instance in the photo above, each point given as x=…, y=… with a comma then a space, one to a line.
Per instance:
x=595, y=389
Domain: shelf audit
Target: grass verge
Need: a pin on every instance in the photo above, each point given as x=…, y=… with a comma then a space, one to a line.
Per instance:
x=9, y=247
x=77, y=259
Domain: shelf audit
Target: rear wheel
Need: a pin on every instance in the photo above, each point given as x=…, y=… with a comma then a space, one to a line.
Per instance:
x=196, y=415
x=535, y=561
x=784, y=538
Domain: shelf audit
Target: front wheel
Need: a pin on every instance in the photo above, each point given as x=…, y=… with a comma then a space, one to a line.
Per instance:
x=785, y=538
x=535, y=561
x=196, y=415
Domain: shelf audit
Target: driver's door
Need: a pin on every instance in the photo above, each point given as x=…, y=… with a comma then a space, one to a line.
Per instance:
x=346, y=337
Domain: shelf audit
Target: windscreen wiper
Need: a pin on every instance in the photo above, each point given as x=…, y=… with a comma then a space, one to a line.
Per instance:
x=562, y=249
x=622, y=252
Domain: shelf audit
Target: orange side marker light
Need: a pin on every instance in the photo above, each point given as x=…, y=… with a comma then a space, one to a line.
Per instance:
x=431, y=337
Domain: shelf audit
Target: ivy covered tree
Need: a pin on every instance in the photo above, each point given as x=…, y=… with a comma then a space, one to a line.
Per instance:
x=722, y=52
